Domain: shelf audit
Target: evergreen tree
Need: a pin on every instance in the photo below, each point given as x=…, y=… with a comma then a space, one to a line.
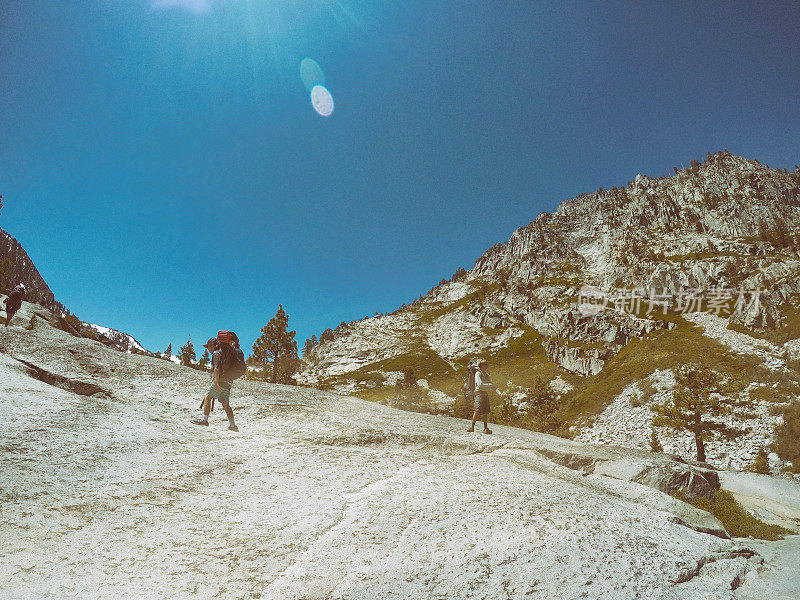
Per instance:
x=309, y=345
x=275, y=343
x=541, y=403
x=204, y=360
x=761, y=463
x=187, y=354
x=655, y=445
x=288, y=365
x=168, y=351
x=326, y=336
x=694, y=399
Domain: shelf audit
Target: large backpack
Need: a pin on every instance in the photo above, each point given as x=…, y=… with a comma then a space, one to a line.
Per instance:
x=232, y=364
x=469, y=382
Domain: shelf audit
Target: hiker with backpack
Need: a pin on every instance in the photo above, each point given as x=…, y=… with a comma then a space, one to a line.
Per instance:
x=227, y=364
x=480, y=384
x=14, y=302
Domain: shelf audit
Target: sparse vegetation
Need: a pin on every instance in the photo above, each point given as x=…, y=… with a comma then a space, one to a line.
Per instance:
x=5, y=273
x=761, y=463
x=661, y=349
x=778, y=235
x=73, y=322
x=655, y=444
x=736, y=520
x=789, y=330
x=695, y=406
x=787, y=437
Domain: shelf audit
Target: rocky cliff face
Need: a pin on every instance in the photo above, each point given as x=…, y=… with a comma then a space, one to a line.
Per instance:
x=17, y=267
x=573, y=289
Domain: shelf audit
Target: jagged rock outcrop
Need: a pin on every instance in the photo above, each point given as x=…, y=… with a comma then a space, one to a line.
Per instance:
x=17, y=267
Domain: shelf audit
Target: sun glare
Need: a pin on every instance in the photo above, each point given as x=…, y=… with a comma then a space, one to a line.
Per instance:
x=322, y=101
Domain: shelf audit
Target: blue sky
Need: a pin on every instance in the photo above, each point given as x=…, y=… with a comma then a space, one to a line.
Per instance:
x=162, y=164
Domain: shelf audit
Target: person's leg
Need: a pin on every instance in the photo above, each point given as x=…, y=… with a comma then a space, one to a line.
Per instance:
x=474, y=418
x=206, y=408
x=485, y=413
x=225, y=400
x=226, y=405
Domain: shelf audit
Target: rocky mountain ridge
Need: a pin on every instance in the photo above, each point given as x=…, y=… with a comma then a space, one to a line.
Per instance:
x=568, y=293
x=17, y=267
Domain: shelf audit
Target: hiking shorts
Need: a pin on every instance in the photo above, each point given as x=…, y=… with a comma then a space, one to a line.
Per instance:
x=482, y=403
x=223, y=396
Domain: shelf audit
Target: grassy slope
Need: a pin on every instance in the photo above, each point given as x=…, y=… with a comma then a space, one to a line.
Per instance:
x=524, y=360
x=661, y=349
x=788, y=331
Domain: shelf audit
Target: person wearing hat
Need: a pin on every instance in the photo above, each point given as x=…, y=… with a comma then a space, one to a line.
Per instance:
x=14, y=302
x=220, y=388
x=483, y=385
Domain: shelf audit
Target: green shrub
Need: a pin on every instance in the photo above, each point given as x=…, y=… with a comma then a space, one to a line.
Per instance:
x=462, y=408
x=410, y=396
x=737, y=521
x=73, y=322
x=760, y=464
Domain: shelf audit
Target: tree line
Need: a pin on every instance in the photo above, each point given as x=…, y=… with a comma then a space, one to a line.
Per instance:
x=274, y=356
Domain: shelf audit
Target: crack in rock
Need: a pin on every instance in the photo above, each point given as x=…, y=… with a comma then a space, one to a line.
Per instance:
x=82, y=388
x=690, y=574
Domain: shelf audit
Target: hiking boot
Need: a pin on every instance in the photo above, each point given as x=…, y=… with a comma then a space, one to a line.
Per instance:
x=487, y=430
x=471, y=429
x=233, y=428
x=199, y=421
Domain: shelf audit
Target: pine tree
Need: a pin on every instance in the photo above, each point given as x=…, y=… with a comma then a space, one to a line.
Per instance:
x=655, y=445
x=761, y=463
x=694, y=399
x=309, y=345
x=275, y=345
x=168, y=351
x=187, y=354
x=541, y=404
x=204, y=360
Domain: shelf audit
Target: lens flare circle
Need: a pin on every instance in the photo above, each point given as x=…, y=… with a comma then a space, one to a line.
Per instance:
x=322, y=101
x=311, y=73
